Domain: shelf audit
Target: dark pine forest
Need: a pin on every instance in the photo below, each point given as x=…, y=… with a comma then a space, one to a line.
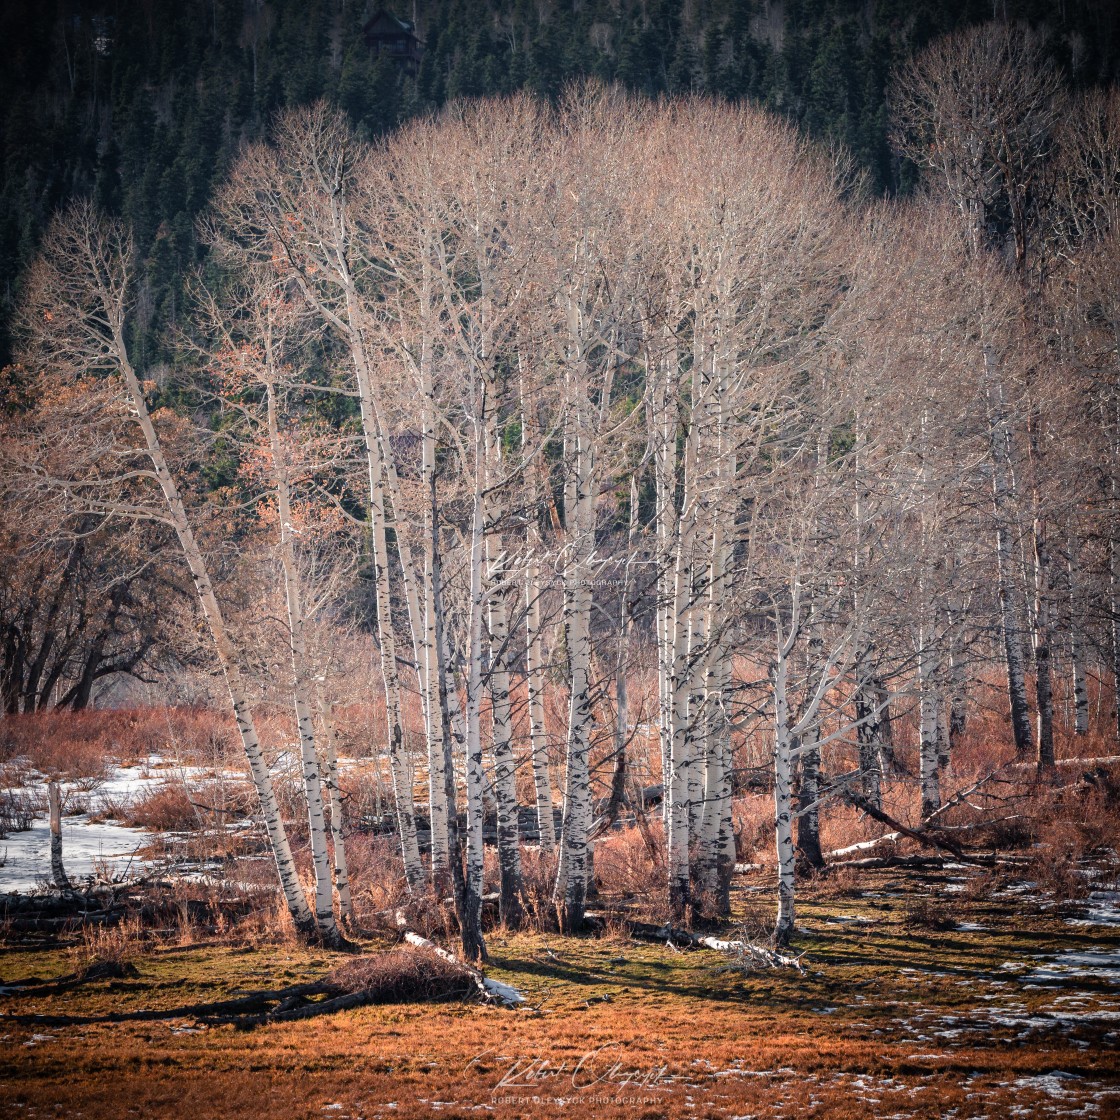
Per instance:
x=143, y=105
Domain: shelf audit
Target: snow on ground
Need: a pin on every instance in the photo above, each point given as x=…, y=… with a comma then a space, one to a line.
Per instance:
x=1062, y=968
x=88, y=849
x=92, y=846
x=1102, y=909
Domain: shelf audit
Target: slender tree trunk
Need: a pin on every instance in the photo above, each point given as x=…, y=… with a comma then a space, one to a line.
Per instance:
x=312, y=783
x=334, y=791
x=1010, y=598
x=468, y=900
x=505, y=789
x=1077, y=646
x=534, y=649
x=783, y=808
x=538, y=738
x=928, y=706
x=474, y=765
x=1044, y=689
x=809, y=792
x=570, y=892
x=428, y=655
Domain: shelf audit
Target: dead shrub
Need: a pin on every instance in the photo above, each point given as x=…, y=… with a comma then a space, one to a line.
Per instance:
x=167, y=808
x=927, y=914
x=118, y=944
x=630, y=875
x=409, y=975
x=752, y=820
x=838, y=881
x=538, y=877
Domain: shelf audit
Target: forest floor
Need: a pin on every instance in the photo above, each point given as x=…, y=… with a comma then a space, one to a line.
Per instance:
x=952, y=992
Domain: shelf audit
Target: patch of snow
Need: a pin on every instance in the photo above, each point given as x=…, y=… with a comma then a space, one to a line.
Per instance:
x=1049, y=1083
x=1102, y=909
x=1072, y=965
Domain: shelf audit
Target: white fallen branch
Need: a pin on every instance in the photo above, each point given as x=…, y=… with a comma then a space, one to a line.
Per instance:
x=865, y=845
x=493, y=991
x=753, y=955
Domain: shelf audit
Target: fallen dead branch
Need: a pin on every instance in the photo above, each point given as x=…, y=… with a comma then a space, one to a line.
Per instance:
x=926, y=837
x=746, y=952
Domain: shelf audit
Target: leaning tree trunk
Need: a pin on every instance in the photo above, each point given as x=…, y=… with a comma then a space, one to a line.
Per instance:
x=227, y=657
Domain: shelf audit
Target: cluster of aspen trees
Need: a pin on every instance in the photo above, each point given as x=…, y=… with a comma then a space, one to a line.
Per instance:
x=649, y=406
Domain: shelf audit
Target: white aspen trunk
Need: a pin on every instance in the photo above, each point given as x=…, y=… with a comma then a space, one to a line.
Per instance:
x=677, y=790
x=681, y=761
x=1076, y=645
x=808, y=809
x=399, y=764
x=718, y=836
x=428, y=654
x=697, y=723
x=958, y=673
x=570, y=892
x=474, y=767
x=312, y=783
x=243, y=713
x=54, y=803
x=1012, y=609
x=468, y=904
x=399, y=767
x=783, y=808
x=505, y=769
x=341, y=873
x=505, y=790
x=928, y=705
x=1044, y=689
x=865, y=700
x=717, y=847
x=662, y=368
x=538, y=739
x=534, y=650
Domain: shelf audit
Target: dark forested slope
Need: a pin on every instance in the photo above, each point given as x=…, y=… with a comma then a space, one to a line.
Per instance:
x=143, y=103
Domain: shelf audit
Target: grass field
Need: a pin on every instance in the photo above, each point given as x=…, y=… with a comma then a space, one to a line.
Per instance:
x=945, y=993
